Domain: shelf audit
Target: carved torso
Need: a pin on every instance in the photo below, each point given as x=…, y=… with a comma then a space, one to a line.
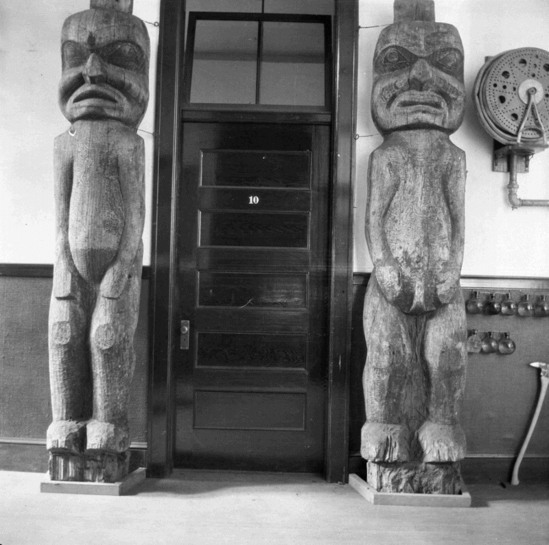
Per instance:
x=96, y=208
x=418, y=221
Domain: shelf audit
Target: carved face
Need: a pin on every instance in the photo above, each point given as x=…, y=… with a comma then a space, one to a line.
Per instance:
x=418, y=77
x=105, y=57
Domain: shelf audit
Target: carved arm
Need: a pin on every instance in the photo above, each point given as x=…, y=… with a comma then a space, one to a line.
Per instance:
x=63, y=178
x=132, y=184
x=454, y=192
x=382, y=188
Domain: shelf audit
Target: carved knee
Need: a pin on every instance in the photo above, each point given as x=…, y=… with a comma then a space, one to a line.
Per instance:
x=104, y=336
x=61, y=333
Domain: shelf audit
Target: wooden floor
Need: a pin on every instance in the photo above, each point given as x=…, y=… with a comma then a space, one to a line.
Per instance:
x=207, y=508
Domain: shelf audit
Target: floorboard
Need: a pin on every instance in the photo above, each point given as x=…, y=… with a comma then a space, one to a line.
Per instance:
x=207, y=508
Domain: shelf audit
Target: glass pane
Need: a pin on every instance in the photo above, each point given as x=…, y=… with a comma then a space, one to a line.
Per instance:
x=225, y=62
x=255, y=168
x=251, y=350
x=252, y=290
x=226, y=5
x=240, y=229
x=314, y=7
x=293, y=64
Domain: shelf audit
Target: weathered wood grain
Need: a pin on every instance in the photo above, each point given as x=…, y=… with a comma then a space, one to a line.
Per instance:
x=414, y=318
x=99, y=199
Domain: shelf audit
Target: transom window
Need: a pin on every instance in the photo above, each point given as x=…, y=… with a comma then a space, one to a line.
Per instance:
x=258, y=59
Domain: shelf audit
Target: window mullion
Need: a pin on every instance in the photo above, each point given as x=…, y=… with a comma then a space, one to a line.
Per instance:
x=259, y=61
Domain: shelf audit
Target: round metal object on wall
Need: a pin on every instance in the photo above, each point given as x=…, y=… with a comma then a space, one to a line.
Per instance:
x=501, y=94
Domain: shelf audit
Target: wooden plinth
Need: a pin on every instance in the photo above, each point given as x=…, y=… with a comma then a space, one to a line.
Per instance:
x=414, y=477
x=412, y=500
x=102, y=467
x=118, y=488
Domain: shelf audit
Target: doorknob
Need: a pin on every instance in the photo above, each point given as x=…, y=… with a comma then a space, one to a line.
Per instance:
x=184, y=333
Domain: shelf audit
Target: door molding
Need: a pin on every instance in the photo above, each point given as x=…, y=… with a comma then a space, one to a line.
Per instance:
x=163, y=295
x=341, y=274
x=163, y=318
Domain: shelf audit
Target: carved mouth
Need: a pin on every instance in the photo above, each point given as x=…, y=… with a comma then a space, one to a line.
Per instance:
x=94, y=92
x=417, y=100
x=406, y=104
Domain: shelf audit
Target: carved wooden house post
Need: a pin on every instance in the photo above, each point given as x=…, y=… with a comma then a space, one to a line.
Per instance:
x=99, y=199
x=414, y=318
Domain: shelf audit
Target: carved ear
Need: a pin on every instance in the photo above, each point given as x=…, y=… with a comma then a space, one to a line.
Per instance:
x=414, y=10
x=118, y=5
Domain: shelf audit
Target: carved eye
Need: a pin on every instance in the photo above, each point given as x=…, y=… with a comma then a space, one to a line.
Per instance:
x=73, y=54
x=126, y=55
x=450, y=60
x=393, y=58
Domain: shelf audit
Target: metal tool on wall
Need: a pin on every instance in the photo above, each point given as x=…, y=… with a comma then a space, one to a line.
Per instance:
x=512, y=104
x=490, y=342
x=544, y=368
x=525, y=305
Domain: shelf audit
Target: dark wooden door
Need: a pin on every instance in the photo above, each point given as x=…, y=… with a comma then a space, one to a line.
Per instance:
x=250, y=386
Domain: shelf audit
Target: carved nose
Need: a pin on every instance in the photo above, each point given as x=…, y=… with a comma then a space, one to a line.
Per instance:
x=94, y=69
x=420, y=74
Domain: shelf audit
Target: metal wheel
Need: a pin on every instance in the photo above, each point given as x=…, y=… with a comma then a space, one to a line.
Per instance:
x=501, y=95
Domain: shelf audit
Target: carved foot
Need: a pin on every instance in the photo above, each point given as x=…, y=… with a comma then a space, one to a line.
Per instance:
x=385, y=442
x=65, y=441
x=66, y=436
x=106, y=467
x=441, y=443
x=106, y=437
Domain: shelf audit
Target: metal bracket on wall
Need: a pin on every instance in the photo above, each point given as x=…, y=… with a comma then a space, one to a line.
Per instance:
x=501, y=162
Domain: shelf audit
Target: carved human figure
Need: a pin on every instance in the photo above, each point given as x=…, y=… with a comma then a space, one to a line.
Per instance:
x=99, y=200
x=414, y=319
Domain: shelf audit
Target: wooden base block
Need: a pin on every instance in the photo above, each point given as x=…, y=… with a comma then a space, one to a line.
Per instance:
x=93, y=488
x=411, y=500
x=101, y=467
x=414, y=477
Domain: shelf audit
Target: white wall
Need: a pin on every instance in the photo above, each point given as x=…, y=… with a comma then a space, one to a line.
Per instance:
x=30, y=68
x=498, y=240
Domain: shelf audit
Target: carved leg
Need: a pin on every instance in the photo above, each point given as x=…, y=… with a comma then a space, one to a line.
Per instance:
x=385, y=436
x=441, y=436
x=113, y=361
x=70, y=386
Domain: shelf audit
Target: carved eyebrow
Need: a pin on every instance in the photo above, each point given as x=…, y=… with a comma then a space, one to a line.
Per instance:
x=73, y=53
x=402, y=58
x=123, y=53
x=443, y=38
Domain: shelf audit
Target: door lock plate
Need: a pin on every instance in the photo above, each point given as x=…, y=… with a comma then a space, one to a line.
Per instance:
x=184, y=334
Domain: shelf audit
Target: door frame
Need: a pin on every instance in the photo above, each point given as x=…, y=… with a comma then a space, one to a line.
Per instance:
x=163, y=331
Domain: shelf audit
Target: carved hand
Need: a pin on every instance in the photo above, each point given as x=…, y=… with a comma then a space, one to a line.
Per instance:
x=115, y=280
x=63, y=272
x=389, y=279
x=447, y=283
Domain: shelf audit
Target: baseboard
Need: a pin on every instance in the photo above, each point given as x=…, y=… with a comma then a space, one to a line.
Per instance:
x=31, y=455
x=484, y=469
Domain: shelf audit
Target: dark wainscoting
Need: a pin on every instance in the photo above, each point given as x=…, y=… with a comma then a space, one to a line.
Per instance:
x=25, y=409
x=501, y=391
x=500, y=395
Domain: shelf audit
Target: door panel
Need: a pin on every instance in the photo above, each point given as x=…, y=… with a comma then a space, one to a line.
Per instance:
x=253, y=229
x=256, y=168
x=250, y=389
